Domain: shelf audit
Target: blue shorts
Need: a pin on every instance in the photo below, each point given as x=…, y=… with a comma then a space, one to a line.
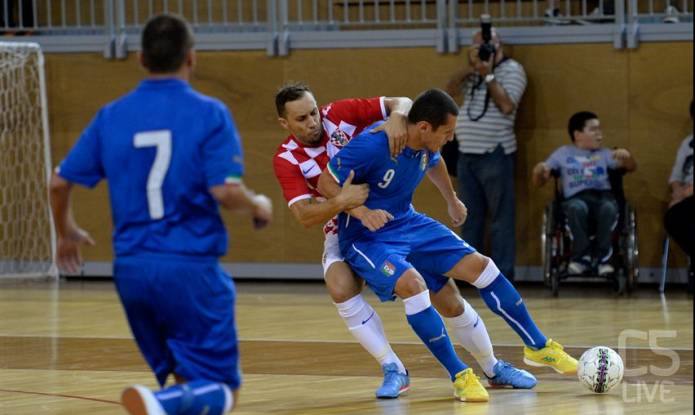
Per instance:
x=181, y=312
x=418, y=242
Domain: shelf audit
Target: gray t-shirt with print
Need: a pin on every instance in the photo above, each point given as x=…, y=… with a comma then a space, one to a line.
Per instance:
x=582, y=169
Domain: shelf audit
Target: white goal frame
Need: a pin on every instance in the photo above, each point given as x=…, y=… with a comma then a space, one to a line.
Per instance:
x=52, y=271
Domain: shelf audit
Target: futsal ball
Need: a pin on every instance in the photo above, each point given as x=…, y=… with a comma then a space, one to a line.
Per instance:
x=600, y=369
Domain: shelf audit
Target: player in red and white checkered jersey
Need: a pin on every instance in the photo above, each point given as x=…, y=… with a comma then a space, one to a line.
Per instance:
x=298, y=164
x=316, y=135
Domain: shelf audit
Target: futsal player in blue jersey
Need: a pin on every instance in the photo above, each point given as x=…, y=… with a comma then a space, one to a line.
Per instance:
x=411, y=253
x=171, y=155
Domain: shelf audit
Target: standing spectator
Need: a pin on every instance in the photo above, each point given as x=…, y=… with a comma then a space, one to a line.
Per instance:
x=492, y=90
x=678, y=220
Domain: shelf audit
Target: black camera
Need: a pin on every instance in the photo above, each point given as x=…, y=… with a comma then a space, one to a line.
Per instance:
x=487, y=49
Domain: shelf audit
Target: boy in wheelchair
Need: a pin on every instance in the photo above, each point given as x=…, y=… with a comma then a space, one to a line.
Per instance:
x=588, y=201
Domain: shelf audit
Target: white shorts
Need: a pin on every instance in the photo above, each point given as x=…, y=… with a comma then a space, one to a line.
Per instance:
x=331, y=251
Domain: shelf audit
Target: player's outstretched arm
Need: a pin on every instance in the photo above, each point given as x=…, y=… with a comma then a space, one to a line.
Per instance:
x=70, y=236
x=439, y=176
x=236, y=196
x=310, y=212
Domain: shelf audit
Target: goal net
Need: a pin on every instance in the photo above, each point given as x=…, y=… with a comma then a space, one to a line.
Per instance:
x=27, y=241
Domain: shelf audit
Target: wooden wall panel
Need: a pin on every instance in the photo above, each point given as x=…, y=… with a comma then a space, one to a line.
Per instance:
x=641, y=97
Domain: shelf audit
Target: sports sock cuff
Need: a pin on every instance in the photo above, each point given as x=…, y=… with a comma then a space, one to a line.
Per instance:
x=488, y=275
x=417, y=303
x=466, y=318
x=351, y=307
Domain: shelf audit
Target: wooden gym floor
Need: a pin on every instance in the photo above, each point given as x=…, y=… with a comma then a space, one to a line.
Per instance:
x=65, y=348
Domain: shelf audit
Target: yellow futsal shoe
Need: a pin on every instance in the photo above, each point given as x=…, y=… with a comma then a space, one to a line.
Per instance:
x=467, y=387
x=552, y=355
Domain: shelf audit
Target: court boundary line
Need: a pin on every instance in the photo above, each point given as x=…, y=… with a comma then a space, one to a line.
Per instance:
x=60, y=395
x=257, y=339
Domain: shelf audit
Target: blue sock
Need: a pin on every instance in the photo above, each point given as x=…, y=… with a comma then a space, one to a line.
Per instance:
x=504, y=300
x=200, y=396
x=430, y=329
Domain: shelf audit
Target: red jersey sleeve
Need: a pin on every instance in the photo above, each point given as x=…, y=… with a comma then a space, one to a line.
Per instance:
x=359, y=112
x=292, y=182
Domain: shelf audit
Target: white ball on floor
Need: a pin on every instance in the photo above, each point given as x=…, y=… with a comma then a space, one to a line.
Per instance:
x=600, y=369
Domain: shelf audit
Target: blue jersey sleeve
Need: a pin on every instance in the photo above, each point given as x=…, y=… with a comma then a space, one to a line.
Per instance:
x=83, y=164
x=223, y=159
x=358, y=155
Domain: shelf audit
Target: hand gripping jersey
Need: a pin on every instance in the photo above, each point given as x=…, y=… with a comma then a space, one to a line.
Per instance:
x=298, y=167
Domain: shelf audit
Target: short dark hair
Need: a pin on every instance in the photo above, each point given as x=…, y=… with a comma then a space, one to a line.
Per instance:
x=166, y=39
x=433, y=106
x=288, y=93
x=578, y=121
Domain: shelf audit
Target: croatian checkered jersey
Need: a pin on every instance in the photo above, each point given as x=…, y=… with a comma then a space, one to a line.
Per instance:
x=298, y=167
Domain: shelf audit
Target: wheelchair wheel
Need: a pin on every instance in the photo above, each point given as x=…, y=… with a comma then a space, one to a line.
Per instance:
x=631, y=247
x=549, y=251
x=546, y=249
x=620, y=282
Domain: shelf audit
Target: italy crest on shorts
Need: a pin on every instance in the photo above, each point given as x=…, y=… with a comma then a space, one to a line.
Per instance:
x=388, y=269
x=424, y=160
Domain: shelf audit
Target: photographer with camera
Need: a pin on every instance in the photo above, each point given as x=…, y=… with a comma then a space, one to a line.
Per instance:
x=491, y=87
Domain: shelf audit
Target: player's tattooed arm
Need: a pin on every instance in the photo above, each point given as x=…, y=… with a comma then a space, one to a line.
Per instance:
x=310, y=212
x=371, y=219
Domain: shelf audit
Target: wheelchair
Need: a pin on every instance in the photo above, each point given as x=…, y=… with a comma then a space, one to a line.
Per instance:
x=556, y=241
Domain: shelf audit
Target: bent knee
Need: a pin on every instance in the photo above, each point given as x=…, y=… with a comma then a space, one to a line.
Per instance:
x=452, y=307
x=342, y=284
x=409, y=284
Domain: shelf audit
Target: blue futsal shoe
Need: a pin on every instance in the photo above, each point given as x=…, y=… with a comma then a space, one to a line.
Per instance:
x=508, y=375
x=394, y=384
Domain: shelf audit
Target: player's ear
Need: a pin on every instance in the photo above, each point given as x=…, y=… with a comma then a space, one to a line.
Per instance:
x=191, y=58
x=283, y=123
x=424, y=126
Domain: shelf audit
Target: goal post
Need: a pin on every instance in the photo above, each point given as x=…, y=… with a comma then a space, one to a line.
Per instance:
x=27, y=237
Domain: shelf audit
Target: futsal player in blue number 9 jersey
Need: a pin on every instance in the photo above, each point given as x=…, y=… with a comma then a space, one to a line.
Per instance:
x=171, y=155
x=408, y=254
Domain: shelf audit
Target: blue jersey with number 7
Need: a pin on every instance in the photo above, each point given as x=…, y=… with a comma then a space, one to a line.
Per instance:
x=392, y=181
x=161, y=147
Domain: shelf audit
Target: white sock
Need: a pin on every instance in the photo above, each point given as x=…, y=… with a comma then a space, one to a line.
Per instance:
x=469, y=330
x=366, y=326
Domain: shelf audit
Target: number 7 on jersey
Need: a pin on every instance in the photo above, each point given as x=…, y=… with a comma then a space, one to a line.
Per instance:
x=162, y=140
